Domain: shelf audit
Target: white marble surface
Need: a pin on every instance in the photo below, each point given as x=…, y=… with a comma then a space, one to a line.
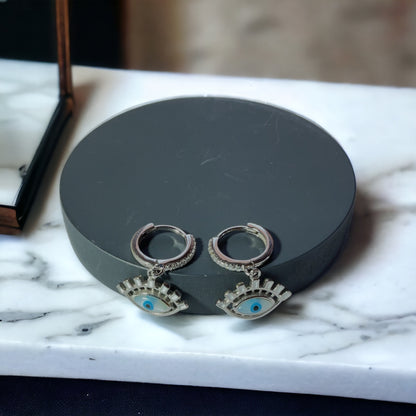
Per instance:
x=29, y=94
x=351, y=334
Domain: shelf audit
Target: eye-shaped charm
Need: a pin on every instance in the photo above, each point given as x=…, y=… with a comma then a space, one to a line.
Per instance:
x=151, y=303
x=253, y=301
x=254, y=306
x=151, y=296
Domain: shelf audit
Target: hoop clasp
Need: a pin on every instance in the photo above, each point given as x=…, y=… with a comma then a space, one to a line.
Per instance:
x=171, y=263
x=242, y=265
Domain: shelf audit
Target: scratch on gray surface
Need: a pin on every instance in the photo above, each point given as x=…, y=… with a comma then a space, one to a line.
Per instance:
x=232, y=177
x=211, y=159
x=276, y=130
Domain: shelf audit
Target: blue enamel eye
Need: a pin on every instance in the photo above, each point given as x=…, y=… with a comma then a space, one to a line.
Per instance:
x=151, y=303
x=255, y=305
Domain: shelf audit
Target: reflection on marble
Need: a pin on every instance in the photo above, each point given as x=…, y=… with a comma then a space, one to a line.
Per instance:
x=352, y=333
x=28, y=97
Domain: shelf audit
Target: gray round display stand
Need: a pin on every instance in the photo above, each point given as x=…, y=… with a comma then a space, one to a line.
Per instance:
x=204, y=164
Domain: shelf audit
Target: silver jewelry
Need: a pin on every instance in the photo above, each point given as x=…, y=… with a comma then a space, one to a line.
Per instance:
x=151, y=295
x=257, y=299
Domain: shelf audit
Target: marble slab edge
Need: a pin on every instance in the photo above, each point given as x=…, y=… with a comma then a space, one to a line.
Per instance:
x=208, y=370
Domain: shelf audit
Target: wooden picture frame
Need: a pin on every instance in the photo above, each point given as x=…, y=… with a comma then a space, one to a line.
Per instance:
x=13, y=217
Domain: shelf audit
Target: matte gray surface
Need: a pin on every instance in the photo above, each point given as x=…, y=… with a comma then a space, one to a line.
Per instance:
x=205, y=164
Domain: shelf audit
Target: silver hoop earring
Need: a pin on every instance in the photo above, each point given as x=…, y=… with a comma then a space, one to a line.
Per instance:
x=150, y=295
x=257, y=299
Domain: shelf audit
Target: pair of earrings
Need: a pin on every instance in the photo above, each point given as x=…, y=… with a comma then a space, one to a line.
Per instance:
x=159, y=298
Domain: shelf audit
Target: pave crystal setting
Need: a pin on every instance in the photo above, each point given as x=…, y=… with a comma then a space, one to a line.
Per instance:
x=223, y=263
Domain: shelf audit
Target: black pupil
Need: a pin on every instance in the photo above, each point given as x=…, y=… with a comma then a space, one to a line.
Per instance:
x=256, y=308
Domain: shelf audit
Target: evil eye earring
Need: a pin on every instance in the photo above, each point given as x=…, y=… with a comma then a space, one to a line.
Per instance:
x=257, y=299
x=151, y=295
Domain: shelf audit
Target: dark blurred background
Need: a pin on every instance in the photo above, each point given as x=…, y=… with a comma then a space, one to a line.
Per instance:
x=359, y=41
